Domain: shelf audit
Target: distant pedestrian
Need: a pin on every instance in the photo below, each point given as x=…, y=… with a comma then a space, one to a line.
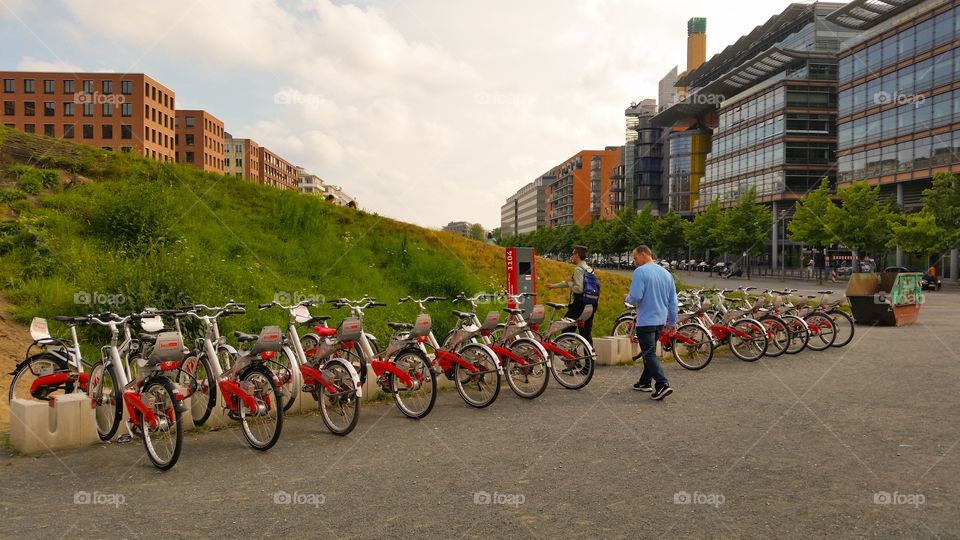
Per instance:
x=584, y=291
x=654, y=294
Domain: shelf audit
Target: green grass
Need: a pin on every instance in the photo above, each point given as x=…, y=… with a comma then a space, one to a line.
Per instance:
x=143, y=233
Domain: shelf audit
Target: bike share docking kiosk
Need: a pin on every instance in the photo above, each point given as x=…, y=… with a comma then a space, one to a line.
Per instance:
x=522, y=276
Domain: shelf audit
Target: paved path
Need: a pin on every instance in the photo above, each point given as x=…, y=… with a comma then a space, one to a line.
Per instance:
x=794, y=447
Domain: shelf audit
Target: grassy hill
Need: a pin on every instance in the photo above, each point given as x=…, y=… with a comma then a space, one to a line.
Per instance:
x=83, y=225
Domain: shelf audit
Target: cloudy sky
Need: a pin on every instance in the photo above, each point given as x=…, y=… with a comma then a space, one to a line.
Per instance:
x=427, y=111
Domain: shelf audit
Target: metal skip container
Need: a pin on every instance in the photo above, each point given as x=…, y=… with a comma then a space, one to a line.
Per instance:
x=885, y=298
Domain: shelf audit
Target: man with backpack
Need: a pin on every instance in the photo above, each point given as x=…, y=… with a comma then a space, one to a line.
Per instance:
x=585, y=290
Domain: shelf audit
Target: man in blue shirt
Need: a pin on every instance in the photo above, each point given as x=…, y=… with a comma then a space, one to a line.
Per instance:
x=654, y=294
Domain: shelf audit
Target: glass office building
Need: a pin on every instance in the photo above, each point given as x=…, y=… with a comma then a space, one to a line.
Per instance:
x=899, y=113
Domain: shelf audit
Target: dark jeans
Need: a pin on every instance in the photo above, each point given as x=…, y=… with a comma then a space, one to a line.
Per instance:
x=575, y=309
x=652, y=371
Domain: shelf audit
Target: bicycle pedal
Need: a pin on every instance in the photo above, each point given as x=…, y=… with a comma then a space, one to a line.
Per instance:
x=309, y=388
x=125, y=438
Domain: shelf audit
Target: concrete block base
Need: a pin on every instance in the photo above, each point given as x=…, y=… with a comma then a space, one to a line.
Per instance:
x=69, y=421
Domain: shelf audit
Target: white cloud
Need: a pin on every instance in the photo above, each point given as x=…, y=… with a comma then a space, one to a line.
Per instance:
x=428, y=112
x=28, y=63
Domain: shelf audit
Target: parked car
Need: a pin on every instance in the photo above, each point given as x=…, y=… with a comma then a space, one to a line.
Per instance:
x=927, y=282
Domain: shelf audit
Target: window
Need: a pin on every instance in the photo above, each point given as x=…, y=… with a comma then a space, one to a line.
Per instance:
x=942, y=68
x=126, y=131
x=942, y=109
x=29, y=86
x=29, y=108
x=87, y=87
x=125, y=149
x=905, y=80
x=88, y=131
x=49, y=108
x=49, y=86
x=239, y=162
x=48, y=130
x=190, y=122
x=905, y=119
x=30, y=128
x=9, y=86
x=189, y=157
x=106, y=131
x=905, y=156
x=107, y=87
x=924, y=35
x=68, y=86
x=68, y=131
x=189, y=140
x=942, y=28
x=88, y=109
x=9, y=108
x=108, y=109
x=126, y=87
x=68, y=109
x=906, y=43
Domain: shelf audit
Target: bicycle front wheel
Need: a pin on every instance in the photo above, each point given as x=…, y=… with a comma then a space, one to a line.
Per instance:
x=105, y=392
x=573, y=369
x=778, y=335
x=261, y=427
x=799, y=334
x=692, y=346
x=529, y=376
x=480, y=386
x=339, y=410
x=749, y=343
x=203, y=396
x=416, y=399
x=162, y=439
x=288, y=373
x=843, y=322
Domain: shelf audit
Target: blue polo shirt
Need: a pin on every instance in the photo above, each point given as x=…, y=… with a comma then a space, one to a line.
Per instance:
x=654, y=294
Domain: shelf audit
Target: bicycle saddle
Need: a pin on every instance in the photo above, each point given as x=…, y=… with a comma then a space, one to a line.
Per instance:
x=316, y=319
x=400, y=325
x=557, y=306
x=244, y=338
x=462, y=314
x=149, y=338
x=324, y=331
x=513, y=311
x=69, y=319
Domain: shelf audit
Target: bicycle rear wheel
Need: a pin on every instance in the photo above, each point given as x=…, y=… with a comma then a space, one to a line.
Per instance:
x=799, y=334
x=288, y=373
x=574, y=369
x=692, y=347
x=527, y=379
x=164, y=441
x=778, y=335
x=339, y=411
x=416, y=399
x=261, y=427
x=34, y=368
x=106, y=395
x=752, y=345
x=624, y=327
x=477, y=388
x=203, y=396
x=822, y=331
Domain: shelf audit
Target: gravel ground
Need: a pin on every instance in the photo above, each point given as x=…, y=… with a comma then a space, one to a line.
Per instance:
x=792, y=447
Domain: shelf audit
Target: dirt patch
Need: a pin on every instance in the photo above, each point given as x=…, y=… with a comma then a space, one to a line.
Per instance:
x=14, y=339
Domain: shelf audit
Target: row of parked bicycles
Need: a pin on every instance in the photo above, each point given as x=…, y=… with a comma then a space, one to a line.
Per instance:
x=154, y=375
x=751, y=324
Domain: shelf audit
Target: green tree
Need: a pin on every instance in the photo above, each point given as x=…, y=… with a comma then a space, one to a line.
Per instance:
x=475, y=232
x=705, y=234
x=745, y=227
x=809, y=224
x=497, y=235
x=642, y=228
x=621, y=232
x=860, y=223
x=943, y=201
x=918, y=233
x=669, y=234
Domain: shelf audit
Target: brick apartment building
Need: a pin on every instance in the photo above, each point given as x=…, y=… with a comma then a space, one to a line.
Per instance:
x=276, y=171
x=199, y=140
x=120, y=112
x=582, y=189
x=241, y=158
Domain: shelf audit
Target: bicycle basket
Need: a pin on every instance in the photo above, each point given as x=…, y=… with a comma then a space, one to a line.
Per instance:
x=270, y=340
x=168, y=348
x=152, y=325
x=350, y=329
x=491, y=322
x=39, y=329
x=301, y=314
x=422, y=326
x=537, y=314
